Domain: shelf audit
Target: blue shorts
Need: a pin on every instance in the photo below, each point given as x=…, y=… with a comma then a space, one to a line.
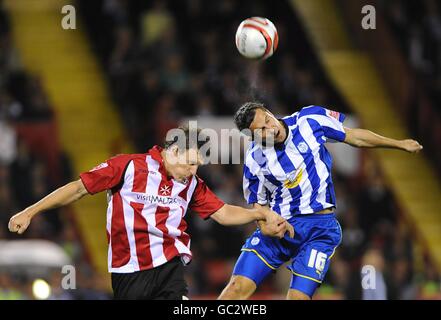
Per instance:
x=314, y=243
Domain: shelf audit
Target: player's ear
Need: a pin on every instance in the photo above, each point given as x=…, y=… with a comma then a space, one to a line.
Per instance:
x=174, y=150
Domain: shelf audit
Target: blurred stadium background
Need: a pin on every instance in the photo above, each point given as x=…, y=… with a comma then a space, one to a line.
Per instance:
x=70, y=99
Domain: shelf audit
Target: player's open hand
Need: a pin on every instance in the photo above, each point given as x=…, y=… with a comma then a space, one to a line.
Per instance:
x=289, y=229
x=19, y=222
x=411, y=146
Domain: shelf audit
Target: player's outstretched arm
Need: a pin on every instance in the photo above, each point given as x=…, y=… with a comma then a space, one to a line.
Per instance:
x=230, y=215
x=363, y=138
x=65, y=195
x=234, y=215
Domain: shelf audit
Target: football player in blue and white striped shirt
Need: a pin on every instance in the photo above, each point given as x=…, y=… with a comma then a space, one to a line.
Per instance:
x=292, y=176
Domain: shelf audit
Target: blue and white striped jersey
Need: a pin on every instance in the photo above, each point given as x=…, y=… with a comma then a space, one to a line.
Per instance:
x=295, y=177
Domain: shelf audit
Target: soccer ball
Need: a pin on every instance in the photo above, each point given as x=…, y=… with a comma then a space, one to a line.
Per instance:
x=257, y=38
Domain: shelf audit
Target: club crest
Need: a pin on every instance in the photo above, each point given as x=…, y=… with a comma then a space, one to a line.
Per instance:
x=303, y=147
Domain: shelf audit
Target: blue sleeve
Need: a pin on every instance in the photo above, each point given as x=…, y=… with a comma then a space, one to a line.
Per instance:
x=253, y=189
x=330, y=121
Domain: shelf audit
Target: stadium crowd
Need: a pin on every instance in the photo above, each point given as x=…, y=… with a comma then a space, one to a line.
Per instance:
x=416, y=26
x=31, y=166
x=169, y=60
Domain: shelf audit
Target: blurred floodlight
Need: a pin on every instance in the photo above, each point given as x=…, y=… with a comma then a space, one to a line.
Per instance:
x=41, y=289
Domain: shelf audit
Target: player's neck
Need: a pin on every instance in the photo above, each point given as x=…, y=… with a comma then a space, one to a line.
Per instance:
x=166, y=164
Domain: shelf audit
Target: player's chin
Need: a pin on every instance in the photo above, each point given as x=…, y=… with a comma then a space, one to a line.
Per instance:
x=185, y=178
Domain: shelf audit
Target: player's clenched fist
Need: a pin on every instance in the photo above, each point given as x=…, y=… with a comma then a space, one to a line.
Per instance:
x=411, y=146
x=19, y=222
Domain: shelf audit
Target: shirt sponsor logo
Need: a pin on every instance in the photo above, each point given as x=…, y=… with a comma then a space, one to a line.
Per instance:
x=293, y=179
x=156, y=199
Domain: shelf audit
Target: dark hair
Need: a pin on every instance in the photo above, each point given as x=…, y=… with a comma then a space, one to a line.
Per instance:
x=245, y=114
x=186, y=138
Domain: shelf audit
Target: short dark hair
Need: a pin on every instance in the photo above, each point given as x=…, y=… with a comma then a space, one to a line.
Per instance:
x=194, y=138
x=245, y=114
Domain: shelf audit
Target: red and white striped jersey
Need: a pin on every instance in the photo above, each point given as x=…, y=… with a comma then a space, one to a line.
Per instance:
x=146, y=209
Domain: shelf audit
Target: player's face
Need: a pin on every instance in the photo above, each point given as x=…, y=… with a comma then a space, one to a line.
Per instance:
x=266, y=127
x=185, y=164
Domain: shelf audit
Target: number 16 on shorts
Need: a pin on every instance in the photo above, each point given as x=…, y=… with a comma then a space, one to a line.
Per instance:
x=317, y=260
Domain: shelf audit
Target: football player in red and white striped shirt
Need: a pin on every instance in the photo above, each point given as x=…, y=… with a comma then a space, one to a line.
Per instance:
x=148, y=197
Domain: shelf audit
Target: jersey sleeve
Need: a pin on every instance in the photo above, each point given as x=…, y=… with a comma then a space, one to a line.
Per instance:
x=330, y=121
x=204, y=202
x=106, y=175
x=254, y=190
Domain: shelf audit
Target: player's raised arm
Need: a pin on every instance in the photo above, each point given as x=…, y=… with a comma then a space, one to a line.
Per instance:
x=363, y=138
x=65, y=195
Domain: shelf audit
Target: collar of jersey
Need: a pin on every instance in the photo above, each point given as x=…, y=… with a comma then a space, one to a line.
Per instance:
x=155, y=153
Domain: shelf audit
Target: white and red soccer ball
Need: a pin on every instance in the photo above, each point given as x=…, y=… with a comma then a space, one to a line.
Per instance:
x=257, y=38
